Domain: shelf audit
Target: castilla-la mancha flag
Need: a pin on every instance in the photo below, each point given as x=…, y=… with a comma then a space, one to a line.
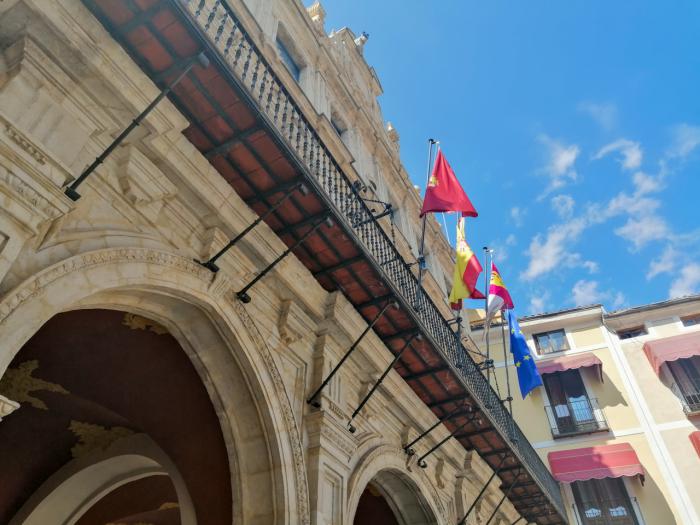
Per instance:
x=499, y=297
x=444, y=193
x=467, y=270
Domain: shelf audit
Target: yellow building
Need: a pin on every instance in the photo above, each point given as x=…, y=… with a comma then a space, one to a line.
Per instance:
x=616, y=419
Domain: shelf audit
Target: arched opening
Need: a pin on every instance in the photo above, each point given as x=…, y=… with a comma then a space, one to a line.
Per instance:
x=392, y=498
x=374, y=508
x=91, y=384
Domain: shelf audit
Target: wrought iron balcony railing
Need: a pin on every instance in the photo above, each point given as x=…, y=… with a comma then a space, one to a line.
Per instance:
x=216, y=20
x=606, y=512
x=690, y=399
x=576, y=417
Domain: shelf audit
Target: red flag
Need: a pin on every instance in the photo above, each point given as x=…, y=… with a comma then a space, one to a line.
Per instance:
x=444, y=193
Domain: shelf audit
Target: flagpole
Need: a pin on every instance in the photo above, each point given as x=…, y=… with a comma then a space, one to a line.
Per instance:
x=505, y=361
x=487, y=278
x=421, y=256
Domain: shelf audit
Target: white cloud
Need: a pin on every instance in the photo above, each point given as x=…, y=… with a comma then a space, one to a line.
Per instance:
x=643, y=229
x=591, y=266
x=644, y=183
x=511, y=240
x=605, y=114
x=686, y=139
x=546, y=253
x=538, y=302
x=619, y=300
x=518, y=216
x=631, y=153
x=664, y=263
x=587, y=292
x=687, y=283
x=561, y=160
x=563, y=205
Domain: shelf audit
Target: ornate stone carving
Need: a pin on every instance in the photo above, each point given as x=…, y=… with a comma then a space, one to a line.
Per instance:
x=318, y=15
x=287, y=333
x=340, y=441
x=289, y=420
x=18, y=383
x=220, y=285
x=136, y=322
x=31, y=289
x=24, y=143
x=439, y=476
x=94, y=438
x=28, y=194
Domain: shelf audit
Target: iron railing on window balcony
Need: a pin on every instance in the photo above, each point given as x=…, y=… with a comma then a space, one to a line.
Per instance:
x=689, y=398
x=264, y=89
x=582, y=416
x=606, y=512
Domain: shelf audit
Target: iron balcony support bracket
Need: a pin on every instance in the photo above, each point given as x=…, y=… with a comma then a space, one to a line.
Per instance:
x=71, y=190
x=243, y=296
x=409, y=448
x=312, y=400
x=421, y=460
x=364, y=401
x=211, y=263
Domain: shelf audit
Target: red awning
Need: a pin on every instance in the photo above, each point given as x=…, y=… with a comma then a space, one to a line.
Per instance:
x=672, y=349
x=570, y=362
x=606, y=461
x=695, y=440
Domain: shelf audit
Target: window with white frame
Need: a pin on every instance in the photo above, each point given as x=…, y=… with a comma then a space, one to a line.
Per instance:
x=550, y=342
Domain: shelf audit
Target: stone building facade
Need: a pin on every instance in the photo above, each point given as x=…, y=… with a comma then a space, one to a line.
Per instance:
x=624, y=380
x=138, y=385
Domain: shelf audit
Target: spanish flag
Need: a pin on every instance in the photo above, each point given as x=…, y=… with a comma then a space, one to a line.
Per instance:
x=467, y=270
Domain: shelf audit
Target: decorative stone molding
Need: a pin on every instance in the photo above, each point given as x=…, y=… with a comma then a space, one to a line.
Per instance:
x=24, y=193
x=289, y=420
x=32, y=288
x=7, y=406
x=24, y=143
x=287, y=333
x=143, y=184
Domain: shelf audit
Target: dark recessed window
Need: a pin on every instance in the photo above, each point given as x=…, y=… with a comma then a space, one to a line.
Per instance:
x=691, y=320
x=571, y=411
x=338, y=125
x=629, y=333
x=603, y=501
x=288, y=60
x=686, y=374
x=548, y=342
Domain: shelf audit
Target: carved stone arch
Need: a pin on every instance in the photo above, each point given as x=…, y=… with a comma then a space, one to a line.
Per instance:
x=161, y=285
x=72, y=490
x=385, y=466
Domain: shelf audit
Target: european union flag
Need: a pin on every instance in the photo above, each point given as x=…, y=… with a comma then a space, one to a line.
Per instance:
x=528, y=376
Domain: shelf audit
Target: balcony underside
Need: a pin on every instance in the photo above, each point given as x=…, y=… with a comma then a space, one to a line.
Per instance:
x=230, y=128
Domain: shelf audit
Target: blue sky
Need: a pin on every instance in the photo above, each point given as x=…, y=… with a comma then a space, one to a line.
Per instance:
x=573, y=126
